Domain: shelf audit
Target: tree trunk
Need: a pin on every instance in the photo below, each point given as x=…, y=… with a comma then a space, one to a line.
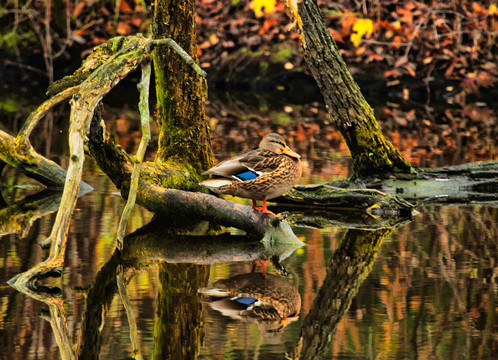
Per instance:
x=181, y=93
x=352, y=116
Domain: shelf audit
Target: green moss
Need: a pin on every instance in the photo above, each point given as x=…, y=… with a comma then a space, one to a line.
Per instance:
x=176, y=175
x=9, y=105
x=281, y=118
x=263, y=67
x=281, y=52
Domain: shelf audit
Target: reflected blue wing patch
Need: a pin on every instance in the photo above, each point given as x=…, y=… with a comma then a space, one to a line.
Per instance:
x=247, y=301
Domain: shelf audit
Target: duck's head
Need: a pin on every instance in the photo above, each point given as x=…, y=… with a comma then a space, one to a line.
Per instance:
x=276, y=143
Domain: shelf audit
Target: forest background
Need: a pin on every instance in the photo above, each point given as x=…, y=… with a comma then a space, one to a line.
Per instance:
x=409, y=53
x=417, y=57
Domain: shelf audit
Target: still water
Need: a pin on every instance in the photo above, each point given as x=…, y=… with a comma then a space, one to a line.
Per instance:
x=426, y=289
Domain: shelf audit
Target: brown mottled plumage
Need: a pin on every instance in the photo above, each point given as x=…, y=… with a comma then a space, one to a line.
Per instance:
x=262, y=173
x=274, y=302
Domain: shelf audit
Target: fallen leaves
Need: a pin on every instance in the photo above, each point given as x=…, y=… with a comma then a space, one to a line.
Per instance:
x=361, y=27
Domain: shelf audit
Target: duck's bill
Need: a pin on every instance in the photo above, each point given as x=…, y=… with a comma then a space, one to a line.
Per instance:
x=289, y=152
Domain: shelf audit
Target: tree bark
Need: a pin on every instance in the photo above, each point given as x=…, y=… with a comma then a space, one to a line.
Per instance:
x=28, y=161
x=352, y=116
x=181, y=93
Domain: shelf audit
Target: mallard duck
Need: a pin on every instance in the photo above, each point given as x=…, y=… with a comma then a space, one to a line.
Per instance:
x=271, y=302
x=260, y=173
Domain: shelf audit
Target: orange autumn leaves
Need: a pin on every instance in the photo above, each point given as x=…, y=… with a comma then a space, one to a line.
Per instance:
x=414, y=38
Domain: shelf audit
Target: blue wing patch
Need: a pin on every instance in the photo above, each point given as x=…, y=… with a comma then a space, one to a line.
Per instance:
x=247, y=175
x=247, y=301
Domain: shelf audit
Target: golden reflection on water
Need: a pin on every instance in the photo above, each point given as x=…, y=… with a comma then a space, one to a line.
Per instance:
x=431, y=292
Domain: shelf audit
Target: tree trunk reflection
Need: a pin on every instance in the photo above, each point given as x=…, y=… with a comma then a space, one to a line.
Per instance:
x=346, y=271
x=179, y=329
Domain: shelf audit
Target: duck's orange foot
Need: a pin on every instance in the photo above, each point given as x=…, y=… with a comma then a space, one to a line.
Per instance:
x=262, y=209
x=263, y=264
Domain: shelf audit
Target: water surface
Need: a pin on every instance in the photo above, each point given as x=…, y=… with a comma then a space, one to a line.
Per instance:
x=424, y=290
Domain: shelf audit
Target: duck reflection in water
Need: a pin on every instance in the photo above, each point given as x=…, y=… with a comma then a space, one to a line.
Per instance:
x=270, y=302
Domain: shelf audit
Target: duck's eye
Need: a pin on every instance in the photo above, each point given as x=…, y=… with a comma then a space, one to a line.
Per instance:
x=278, y=143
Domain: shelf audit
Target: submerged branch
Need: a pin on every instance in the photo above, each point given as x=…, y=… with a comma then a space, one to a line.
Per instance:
x=474, y=183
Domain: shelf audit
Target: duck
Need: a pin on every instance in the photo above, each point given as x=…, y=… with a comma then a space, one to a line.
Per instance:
x=271, y=302
x=260, y=173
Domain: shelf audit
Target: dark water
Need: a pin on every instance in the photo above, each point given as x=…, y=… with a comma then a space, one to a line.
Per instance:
x=424, y=290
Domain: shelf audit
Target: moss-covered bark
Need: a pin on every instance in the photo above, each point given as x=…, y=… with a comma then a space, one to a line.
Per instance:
x=352, y=116
x=181, y=92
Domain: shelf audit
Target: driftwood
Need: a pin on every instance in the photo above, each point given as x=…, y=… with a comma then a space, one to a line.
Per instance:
x=99, y=73
x=474, y=183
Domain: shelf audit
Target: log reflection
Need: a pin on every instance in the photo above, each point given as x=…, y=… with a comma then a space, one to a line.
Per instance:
x=183, y=262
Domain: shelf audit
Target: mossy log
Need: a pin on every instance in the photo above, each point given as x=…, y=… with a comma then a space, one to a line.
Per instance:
x=473, y=183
